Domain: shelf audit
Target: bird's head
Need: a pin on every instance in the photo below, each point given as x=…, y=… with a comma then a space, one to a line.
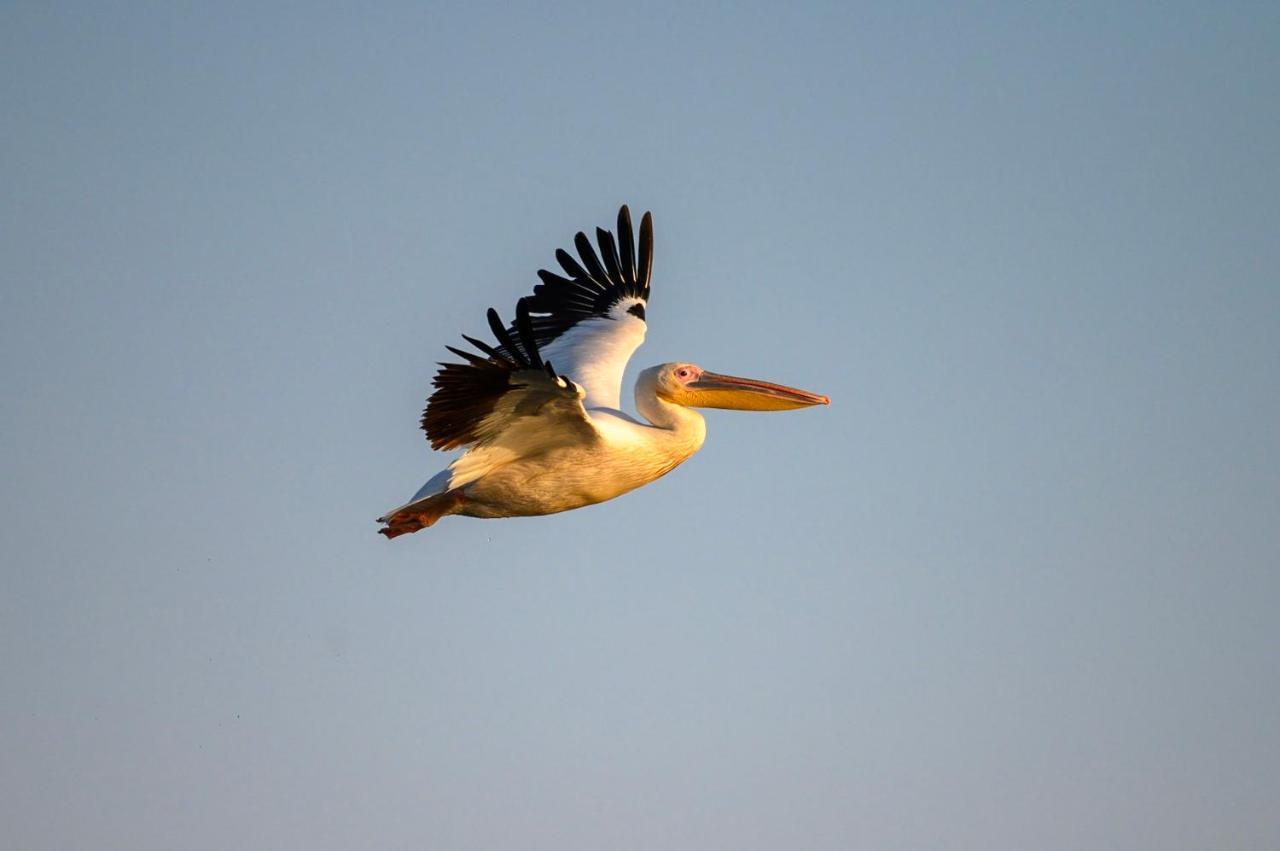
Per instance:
x=692, y=386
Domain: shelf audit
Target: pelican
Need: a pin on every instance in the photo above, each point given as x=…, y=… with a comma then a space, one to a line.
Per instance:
x=539, y=413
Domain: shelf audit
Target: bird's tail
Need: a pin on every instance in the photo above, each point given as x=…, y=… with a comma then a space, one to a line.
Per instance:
x=420, y=514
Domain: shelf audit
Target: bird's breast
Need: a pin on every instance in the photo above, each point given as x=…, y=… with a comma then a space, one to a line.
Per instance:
x=571, y=477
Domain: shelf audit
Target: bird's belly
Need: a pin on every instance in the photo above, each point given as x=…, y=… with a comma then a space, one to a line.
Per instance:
x=562, y=482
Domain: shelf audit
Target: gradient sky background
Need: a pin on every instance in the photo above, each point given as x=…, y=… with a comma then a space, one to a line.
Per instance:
x=1016, y=588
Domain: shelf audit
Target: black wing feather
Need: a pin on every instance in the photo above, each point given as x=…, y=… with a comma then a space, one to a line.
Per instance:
x=626, y=241
x=587, y=252
x=464, y=396
x=646, y=256
x=591, y=288
x=570, y=266
x=609, y=253
x=466, y=393
x=471, y=358
x=484, y=347
x=524, y=327
x=504, y=338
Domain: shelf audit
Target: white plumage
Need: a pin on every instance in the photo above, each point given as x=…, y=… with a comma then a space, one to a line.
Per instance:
x=540, y=412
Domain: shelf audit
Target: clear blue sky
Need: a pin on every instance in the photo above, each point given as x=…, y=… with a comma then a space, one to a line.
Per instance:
x=1016, y=588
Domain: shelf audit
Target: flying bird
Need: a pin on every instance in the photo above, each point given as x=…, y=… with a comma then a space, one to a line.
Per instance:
x=539, y=413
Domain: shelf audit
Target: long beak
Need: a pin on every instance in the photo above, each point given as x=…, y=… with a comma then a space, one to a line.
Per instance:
x=711, y=390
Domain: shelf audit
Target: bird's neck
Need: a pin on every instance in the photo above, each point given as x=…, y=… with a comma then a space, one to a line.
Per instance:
x=683, y=426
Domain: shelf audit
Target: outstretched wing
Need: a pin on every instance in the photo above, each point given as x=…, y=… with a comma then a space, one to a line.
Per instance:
x=510, y=399
x=591, y=322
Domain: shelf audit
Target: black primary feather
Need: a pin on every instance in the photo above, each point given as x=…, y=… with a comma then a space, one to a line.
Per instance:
x=609, y=252
x=570, y=266
x=646, y=255
x=466, y=393
x=587, y=253
x=590, y=288
x=485, y=347
x=524, y=328
x=504, y=338
x=626, y=242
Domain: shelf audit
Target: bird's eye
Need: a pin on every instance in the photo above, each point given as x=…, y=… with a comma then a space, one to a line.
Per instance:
x=682, y=373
